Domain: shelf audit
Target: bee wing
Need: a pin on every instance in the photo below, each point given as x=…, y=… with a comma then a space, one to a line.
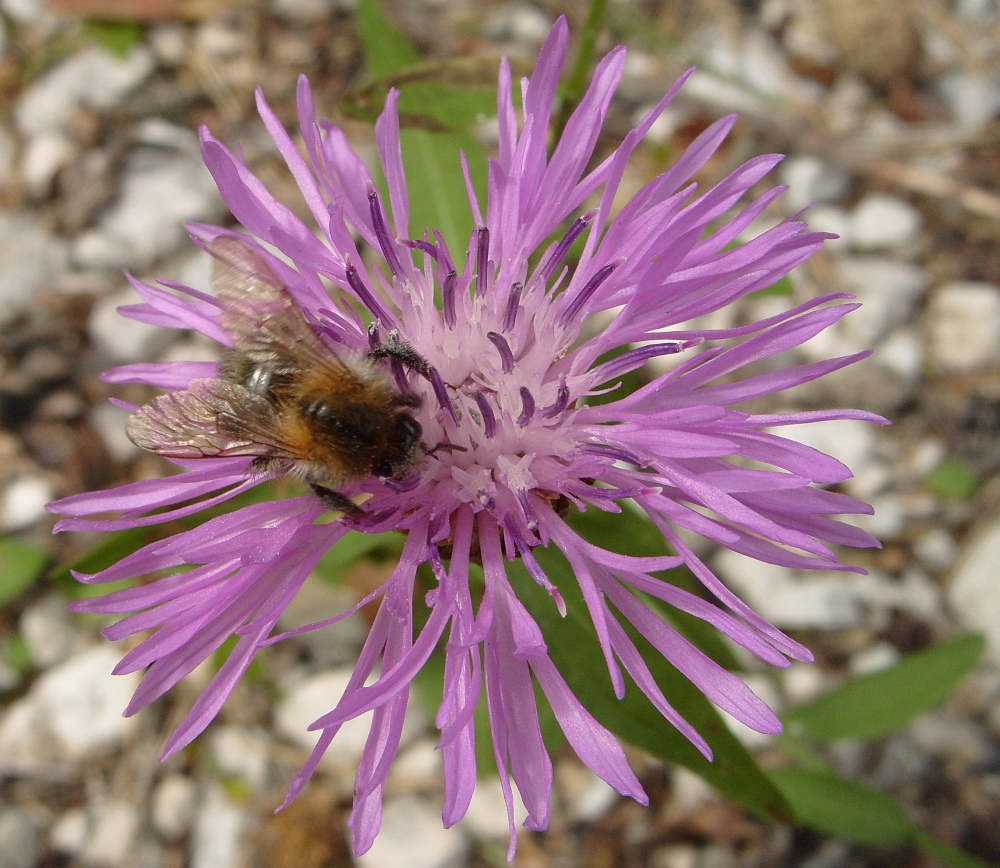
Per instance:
x=259, y=312
x=209, y=419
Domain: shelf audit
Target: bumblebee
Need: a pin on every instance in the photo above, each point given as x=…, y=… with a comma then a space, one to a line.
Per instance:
x=284, y=396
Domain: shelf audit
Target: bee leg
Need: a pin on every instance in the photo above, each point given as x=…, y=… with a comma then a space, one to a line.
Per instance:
x=336, y=500
x=397, y=349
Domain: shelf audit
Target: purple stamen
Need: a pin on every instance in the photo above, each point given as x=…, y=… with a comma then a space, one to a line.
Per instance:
x=482, y=258
x=547, y=268
x=528, y=407
x=441, y=393
x=448, y=299
x=632, y=359
x=561, y=402
x=617, y=453
x=583, y=296
x=489, y=418
x=513, y=306
x=506, y=356
x=381, y=227
x=366, y=296
x=428, y=248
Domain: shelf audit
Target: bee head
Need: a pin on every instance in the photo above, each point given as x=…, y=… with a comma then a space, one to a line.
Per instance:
x=405, y=449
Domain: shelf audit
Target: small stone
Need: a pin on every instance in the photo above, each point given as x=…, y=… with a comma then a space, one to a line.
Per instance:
x=23, y=502
x=586, y=796
x=121, y=338
x=92, y=77
x=109, y=422
x=217, y=839
x=44, y=156
x=902, y=354
x=69, y=833
x=889, y=291
x=173, y=805
x=880, y=221
x=803, y=682
x=72, y=713
x=936, y=549
x=790, y=600
x=312, y=698
x=974, y=98
x=524, y=23
x=767, y=690
x=486, y=817
x=836, y=221
x=811, y=181
x=243, y=754
x=20, y=839
x=850, y=441
x=131, y=234
x=417, y=767
x=972, y=592
x=24, y=11
x=305, y=11
x=29, y=257
x=47, y=631
x=412, y=835
x=963, y=326
x=874, y=658
x=113, y=837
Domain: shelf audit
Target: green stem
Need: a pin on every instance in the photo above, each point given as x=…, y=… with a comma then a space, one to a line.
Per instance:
x=575, y=86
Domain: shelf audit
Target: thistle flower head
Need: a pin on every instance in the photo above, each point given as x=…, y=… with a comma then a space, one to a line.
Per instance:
x=509, y=340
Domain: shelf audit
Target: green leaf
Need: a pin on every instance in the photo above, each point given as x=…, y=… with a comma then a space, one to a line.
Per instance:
x=945, y=853
x=610, y=530
x=953, y=479
x=351, y=549
x=437, y=189
x=21, y=565
x=841, y=808
x=108, y=551
x=386, y=48
x=574, y=648
x=116, y=37
x=880, y=703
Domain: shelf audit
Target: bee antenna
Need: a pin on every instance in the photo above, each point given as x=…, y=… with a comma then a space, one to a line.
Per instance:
x=448, y=447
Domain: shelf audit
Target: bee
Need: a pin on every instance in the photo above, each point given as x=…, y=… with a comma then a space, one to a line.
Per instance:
x=284, y=396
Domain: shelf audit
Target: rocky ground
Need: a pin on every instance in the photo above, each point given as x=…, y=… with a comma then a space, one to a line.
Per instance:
x=889, y=114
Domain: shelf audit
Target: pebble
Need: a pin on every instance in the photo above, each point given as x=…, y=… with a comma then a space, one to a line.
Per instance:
x=879, y=221
x=486, y=817
x=217, y=837
x=310, y=699
x=306, y=11
x=848, y=440
x=874, y=658
x=8, y=147
x=73, y=713
x=963, y=326
x=790, y=600
x=836, y=221
x=92, y=77
x=20, y=839
x=811, y=180
x=973, y=98
x=766, y=689
x=803, y=682
x=242, y=753
x=173, y=806
x=412, y=835
x=120, y=338
x=23, y=502
x=113, y=836
x=902, y=353
x=29, y=257
x=889, y=292
x=972, y=591
x=586, y=797
x=47, y=631
x=523, y=24
x=936, y=549
x=45, y=154
x=69, y=833
x=109, y=422
x=133, y=235
x=24, y=11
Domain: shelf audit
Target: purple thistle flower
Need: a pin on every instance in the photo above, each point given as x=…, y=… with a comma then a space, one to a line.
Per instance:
x=508, y=368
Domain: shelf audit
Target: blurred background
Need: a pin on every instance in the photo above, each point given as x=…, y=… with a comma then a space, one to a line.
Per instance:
x=888, y=112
